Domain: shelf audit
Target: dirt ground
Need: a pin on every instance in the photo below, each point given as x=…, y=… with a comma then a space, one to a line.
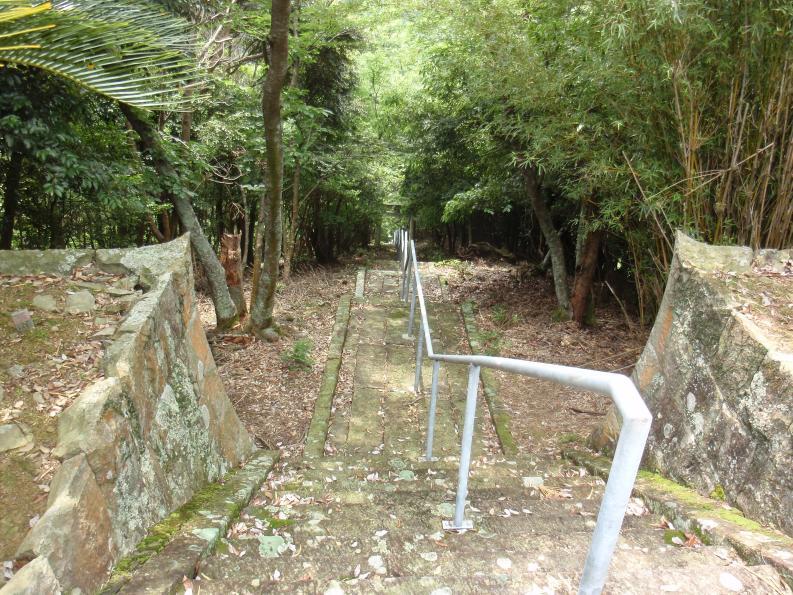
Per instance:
x=273, y=386
x=41, y=372
x=274, y=395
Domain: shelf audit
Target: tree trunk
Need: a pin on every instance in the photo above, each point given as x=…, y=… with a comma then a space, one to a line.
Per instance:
x=291, y=226
x=10, y=200
x=220, y=223
x=225, y=312
x=252, y=211
x=585, y=275
x=231, y=259
x=258, y=247
x=551, y=236
x=155, y=231
x=246, y=229
x=262, y=308
x=187, y=120
x=165, y=227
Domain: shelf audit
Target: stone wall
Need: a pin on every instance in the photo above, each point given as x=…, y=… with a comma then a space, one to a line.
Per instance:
x=137, y=444
x=717, y=374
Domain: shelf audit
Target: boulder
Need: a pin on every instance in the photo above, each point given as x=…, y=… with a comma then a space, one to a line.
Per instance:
x=270, y=335
x=80, y=302
x=23, y=321
x=72, y=532
x=717, y=374
x=45, y=302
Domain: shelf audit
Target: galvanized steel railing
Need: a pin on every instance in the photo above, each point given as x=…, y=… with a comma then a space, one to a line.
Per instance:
x=636, y=419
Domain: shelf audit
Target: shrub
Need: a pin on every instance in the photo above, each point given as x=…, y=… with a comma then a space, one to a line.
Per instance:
x=299, y=356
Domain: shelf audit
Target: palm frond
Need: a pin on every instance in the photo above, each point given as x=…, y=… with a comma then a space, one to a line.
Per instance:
x=131, y=52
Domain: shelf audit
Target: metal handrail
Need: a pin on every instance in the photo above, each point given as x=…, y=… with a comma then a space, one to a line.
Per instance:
x=636, y=419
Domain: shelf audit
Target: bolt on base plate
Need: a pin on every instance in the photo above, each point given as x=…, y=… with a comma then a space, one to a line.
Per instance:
x=466, y=525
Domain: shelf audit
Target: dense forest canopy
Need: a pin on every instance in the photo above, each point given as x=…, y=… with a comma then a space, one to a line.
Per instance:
x=577, y=135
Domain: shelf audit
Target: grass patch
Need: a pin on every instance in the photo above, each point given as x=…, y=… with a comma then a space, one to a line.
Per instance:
x=501, y=316
x=569, y=438
x=462, y=267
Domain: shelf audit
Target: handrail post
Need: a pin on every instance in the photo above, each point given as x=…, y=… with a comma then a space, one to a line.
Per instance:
x=624, y=468
x=459, y=521
x=412, y=309
x=406, y=281
x=436, y=368
x=405, y=243
x=419, y=360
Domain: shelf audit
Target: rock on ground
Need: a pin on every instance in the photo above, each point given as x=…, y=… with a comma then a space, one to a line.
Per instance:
x=34, y=578
x=12, y=437
x=45, y=302
x=80, y=302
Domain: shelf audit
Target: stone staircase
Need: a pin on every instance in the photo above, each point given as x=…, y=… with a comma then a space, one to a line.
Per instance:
x=366, y=517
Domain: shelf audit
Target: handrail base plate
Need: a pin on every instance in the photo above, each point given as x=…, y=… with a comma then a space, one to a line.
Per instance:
x=466, y=525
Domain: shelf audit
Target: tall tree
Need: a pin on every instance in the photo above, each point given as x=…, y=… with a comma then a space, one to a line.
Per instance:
x=225, y=311
x=278, y=46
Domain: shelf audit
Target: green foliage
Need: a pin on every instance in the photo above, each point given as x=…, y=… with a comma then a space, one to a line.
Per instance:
x=639, y=118
x=129, y=51
x=718, y=493
x=299, y=356
x=560, y=315
x=81, y=182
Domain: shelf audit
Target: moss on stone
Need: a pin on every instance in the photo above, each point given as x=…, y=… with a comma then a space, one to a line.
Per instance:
x=704, y=506
x=161, y=534
x=318, y=429
x=501, y=419
x=718, y=493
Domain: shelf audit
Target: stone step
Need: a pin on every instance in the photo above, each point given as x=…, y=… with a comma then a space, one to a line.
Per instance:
x=321, y=485
x=367, y=518
x=387, y=461
x=176, y=545
x=379, y=410
x=503, y=582
x=399, y=538
x=370, y=584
